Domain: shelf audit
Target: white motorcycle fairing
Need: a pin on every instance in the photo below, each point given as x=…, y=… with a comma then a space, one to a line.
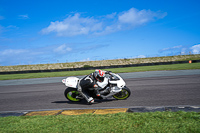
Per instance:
x=104, y=83
x=116, y=79
x=71, y=82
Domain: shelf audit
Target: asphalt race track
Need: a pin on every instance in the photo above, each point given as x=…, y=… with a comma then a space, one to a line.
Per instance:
x=158, y=88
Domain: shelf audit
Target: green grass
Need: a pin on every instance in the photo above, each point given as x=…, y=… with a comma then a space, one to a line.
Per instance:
x=115, y=70
x=165, y=122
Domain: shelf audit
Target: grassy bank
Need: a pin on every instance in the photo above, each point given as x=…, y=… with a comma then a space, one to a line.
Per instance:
x=115, y=70
x=99, y=63
x=169, y=122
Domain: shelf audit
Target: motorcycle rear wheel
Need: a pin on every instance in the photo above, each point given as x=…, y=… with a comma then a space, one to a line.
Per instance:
x=71, y=94
x=124, y=94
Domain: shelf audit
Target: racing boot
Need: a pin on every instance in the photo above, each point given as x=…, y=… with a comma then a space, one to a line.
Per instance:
x=90, y=100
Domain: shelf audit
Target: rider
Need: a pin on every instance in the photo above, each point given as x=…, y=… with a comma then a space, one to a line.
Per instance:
x=90, y=81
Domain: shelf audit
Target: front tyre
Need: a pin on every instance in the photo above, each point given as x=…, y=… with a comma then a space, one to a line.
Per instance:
x=122, y=95
x=71, y=94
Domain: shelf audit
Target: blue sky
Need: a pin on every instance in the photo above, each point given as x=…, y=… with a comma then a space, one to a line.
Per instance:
x=51, y=31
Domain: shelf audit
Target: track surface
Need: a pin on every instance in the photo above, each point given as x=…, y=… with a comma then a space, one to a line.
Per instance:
x=162, y=88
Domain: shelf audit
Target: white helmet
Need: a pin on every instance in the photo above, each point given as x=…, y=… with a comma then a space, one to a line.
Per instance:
x=99, y=75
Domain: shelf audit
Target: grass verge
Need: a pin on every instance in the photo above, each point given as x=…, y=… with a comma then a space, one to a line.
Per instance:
x=110, y=123
x=115, y=70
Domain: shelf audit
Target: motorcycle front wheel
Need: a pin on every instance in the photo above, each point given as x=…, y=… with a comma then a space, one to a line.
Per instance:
x=71, y=94
x=124, y=94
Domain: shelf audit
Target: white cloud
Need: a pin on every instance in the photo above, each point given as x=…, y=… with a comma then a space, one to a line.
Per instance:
x=62, y=49
x=141, y=56
x=50, y=53
x=111, y=16
x=171, y=48
x=84, y=60
x=136, y=17
x=196, y=49
x=8, y=28
x=25, y=56
x=13, y=56
x=25, y=16
x=182, y=49
x=76, y=25
x=8, y=52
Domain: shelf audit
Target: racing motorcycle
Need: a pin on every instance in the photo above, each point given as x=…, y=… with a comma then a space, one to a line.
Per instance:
x=112, y=86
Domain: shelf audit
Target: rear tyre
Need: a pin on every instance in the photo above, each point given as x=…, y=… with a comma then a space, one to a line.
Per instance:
x=124, y=94
x=71, y=94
